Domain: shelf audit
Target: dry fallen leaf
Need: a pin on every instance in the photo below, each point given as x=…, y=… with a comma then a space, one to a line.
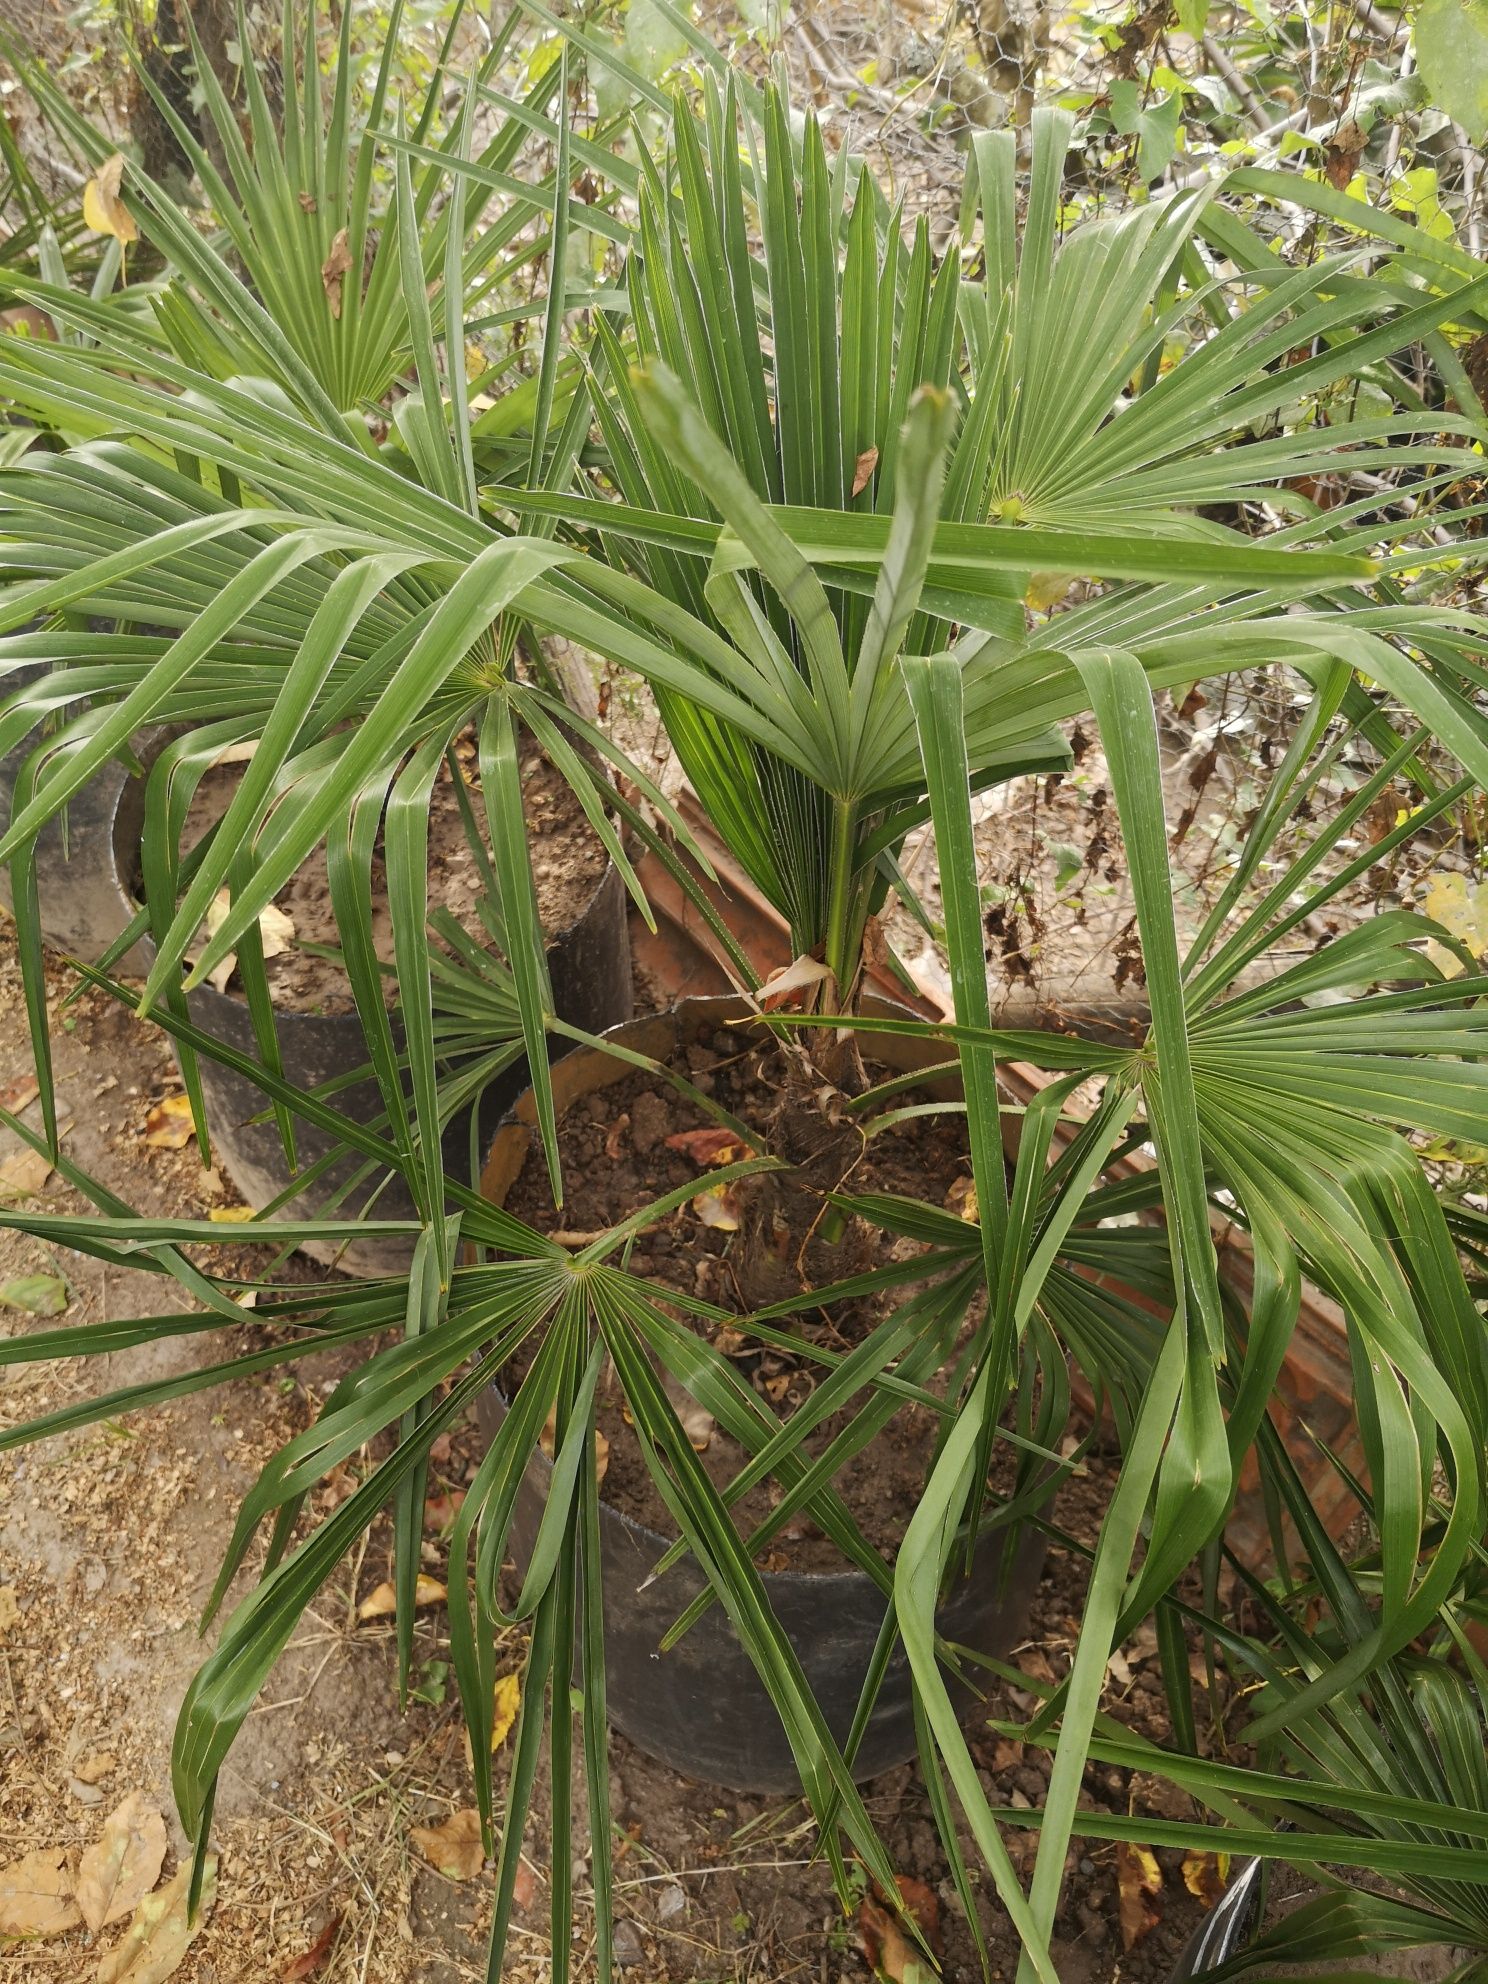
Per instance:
x=334, y=269
x=19, y=1094
x=311, y=1959
x=440, y=1511
x=507, y=1700
x=863, y=469
x=696, y=1421
x=889, y=1950
x=601, y=1456
x=275, y=935
x=36, y=1895
x=719, y=1208
x=103, y=210
x=1204, y=1875
x=524, y=1886
x=119, y=1870
x=1461, y=906
x=783, y=985
x=162, y=1930
x=961, y=1199
x=716, y=1146
x=168, y=1126
x=383, y=1603
x=229, y=1215
x=9, y=1610
x=1138, y=1886
x=455, y=1848
x=23, y=1173
x=95, y=1767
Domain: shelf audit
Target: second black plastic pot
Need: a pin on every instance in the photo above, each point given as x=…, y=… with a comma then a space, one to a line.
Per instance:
x=701, y=1707
x=589, y=966
x=81, y=857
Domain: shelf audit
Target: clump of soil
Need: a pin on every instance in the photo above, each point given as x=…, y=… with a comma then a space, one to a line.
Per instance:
x=568, y=862
x=625, y=1146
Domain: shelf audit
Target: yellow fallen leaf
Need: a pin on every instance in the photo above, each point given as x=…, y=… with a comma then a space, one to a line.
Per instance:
x=23, y=1173
x=1138, y=1885
x=455, y=1848
x=504, y=1708
x=168, y=1126
x=119, y=1870
x=103, y=210
x=162, y=1930
x=36, y=1895
x=383, y=1602
x=961, y=1199
x=601, y=1456
x=229, y=1215
x=1046, y=589
x=1205, y=1874
x=1461, y=907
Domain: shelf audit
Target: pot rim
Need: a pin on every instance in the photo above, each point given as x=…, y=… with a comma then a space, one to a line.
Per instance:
x=702, y=1007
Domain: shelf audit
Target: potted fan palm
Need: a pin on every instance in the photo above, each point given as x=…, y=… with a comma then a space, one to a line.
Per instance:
x=803, y=569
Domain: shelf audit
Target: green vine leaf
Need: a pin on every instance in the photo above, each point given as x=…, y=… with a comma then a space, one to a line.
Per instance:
x=1452, y=52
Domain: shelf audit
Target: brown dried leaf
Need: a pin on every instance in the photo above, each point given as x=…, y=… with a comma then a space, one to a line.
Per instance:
x=601, y=1456
x=9, y=1610
x=95, y=1767
x=162, y=1930
x=455, y=1848
x=863, y=469
x=524, y=1886
x=36, y=1895
x=440, y=1511
x=306, y=1964
x=383, y=1602
x=103, y=210
x=1138, y=1887
x=168, y=1126
x=889, y=1950
x=1342, y=152
x=333, y=271
x=119, y=1870
x=16, y=1095
x=24, y=1173
x=1204, y=1875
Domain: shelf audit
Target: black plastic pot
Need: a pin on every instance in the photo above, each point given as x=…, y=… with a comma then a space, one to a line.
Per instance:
x=701, y=1707
x=79, y=860
x=589, y=964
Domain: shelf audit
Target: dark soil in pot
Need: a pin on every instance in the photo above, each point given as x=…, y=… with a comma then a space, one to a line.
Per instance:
x=625, y=1139
x=568, y=865
x=582, y=903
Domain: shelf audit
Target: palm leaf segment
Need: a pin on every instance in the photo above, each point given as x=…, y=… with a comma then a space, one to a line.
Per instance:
x=773, y=392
